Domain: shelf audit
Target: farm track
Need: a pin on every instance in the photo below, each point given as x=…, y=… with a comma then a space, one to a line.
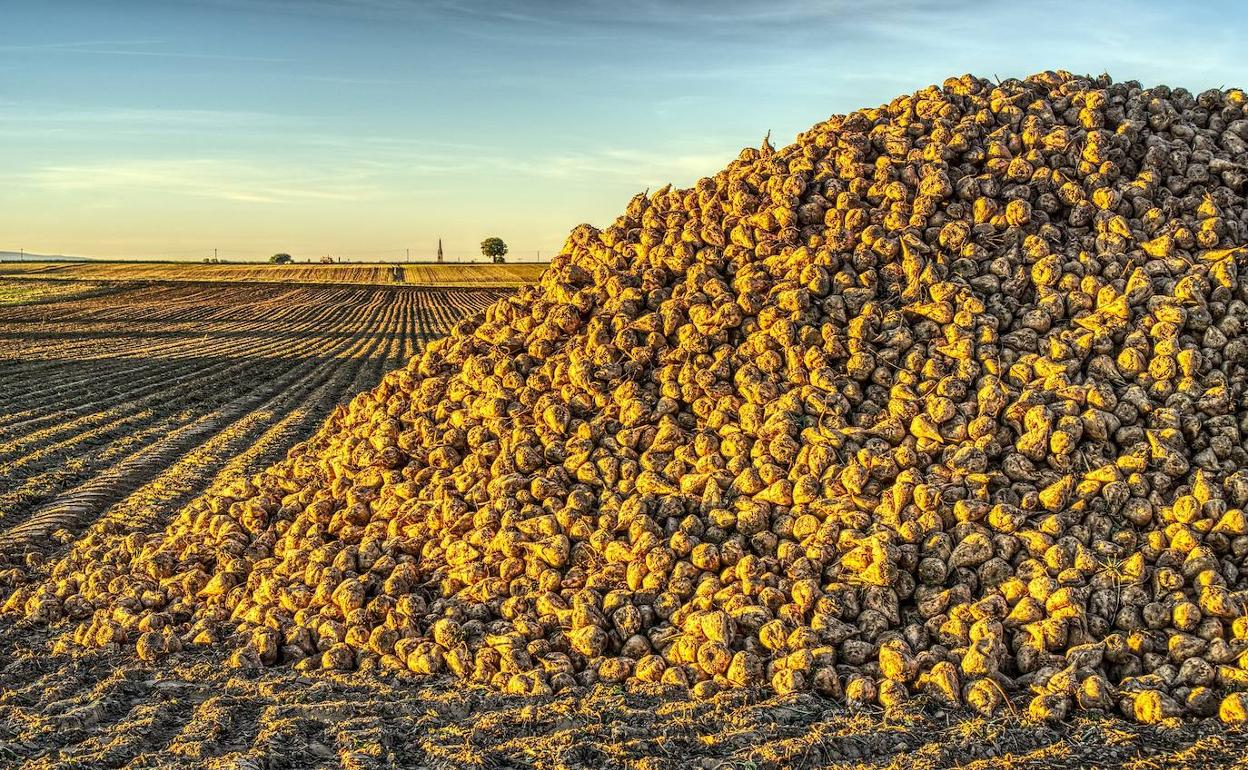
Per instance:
x=160, y=372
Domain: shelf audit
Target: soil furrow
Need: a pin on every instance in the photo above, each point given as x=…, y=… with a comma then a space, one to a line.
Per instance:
x=154, y=389
x=191, y=346
x=71, y=508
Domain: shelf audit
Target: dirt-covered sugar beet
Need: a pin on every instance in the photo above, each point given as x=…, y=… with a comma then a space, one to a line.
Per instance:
x=947, y=397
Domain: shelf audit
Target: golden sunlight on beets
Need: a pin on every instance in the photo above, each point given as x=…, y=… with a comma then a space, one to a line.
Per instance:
x=911, y=435
x=940, y=402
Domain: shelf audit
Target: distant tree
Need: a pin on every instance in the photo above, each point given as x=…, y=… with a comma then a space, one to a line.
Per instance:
x=281, y=259
x=494, y=248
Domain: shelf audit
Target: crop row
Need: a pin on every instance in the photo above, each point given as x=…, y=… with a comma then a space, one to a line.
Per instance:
x=106, y=396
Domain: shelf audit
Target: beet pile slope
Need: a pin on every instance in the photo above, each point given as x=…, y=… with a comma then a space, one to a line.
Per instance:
x=945, y=397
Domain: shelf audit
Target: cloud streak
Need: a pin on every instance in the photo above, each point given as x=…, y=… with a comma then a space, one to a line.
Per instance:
x=361, y=176
x=140, y=48
x=207, y=178
x=38, y=118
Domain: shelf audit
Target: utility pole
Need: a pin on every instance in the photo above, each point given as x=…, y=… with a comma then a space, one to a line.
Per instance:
x=409, y=254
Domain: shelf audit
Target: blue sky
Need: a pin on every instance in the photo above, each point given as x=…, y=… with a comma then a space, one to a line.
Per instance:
x=364, y=127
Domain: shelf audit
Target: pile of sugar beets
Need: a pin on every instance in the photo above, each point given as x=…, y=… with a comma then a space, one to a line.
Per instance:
x=947, y=397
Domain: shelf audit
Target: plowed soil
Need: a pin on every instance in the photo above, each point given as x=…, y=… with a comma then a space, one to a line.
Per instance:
x=110, y=710
x=134, y=399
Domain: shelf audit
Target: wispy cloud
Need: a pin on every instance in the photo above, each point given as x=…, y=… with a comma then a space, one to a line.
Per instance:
x=224, y=180
x=361, y=174
x=37, y=124
x=622, y=164
x=605, y=165
x=343, y=80
x=144, y=48
x=550, y=22
x=75, y=44
x=37, y=117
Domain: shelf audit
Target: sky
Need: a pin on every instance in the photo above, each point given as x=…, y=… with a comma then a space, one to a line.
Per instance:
x=366, y=128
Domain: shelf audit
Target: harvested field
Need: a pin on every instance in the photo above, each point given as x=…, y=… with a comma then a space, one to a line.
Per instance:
x=135, y=395
x=458, y=275
x=789, y=469
x=78, y=366
x=34, y=291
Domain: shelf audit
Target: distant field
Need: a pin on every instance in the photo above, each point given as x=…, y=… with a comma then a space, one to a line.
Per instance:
x=35, y=291
x=457, y=275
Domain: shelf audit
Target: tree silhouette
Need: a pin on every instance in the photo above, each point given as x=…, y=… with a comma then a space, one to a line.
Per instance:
x=494, y=248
